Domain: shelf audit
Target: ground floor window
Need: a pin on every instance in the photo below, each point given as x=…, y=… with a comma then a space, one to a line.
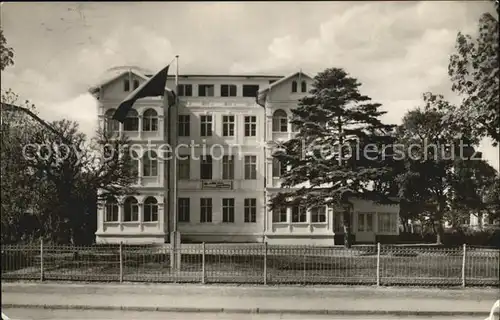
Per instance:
x=318, y=214
x=250, y=210
x=183, y=209
x=387, y=222
x=365, y=222
x=299, y=214
x=279, y=215
x=228, y=210
x=206, y=210
x=150, y=209
x=111, y=210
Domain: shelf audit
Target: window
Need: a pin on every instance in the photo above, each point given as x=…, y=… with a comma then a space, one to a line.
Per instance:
x=365, y=222
x=250, y=167
x=250, y=207
x=318, y=214
x=111, y=125
x=387, y=222
x=205, y=210
x=183, y=125
x=250, y=126
x=295, y=127
x=150, y=120
x=131, y=122
x=303, y=86
x=279, y=169
x=150, y=209
x=131, y=209
x=228, y=210
x=299, y=214
x=184, y=168
x=150, y=164
x=126, y=85
x=228, y=126
x=183, y=209
x=206, y=90
x=294, y=86
x=250, y=90
x=134, y=162
x=111, y=210
x=185, y=90
x=206, y=167
x=279, y=215
x=280, y=121
x=228, y=90
x=228, y=167
x=136, y=84
x=206, y=126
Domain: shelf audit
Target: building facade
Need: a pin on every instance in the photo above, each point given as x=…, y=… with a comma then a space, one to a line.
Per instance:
x=225, y=172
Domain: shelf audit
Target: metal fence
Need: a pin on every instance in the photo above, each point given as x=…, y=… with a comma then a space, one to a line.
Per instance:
x=256, y=263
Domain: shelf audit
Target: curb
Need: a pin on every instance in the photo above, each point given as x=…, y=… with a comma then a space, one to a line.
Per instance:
x=251, y=311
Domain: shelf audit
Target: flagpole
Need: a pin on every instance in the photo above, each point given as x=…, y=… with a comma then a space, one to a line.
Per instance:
x=175, y=237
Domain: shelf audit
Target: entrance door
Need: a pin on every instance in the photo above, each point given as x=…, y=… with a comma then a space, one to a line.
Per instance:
x=365, y=232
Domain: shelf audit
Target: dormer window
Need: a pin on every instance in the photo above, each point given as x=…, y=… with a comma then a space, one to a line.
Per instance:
x=126, y=85
x=136, y=84
x=303, y=86
x=294, y=86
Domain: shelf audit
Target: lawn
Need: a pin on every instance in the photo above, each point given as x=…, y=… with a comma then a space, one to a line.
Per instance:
x=284, y=265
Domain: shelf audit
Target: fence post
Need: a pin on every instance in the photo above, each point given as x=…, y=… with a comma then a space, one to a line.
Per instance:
x=378, y=264
x=41, y=260
x=121, y=262
x=305, y=264
x=265, y=263
x=463, y=264
x=203, y=274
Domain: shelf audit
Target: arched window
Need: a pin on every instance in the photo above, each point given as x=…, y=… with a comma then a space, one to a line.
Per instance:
x=150, y=164
x=150, y=120
x=131, y=122
x=131, y=209
x=303, y=86
x=111, y=210
x=111, y=125
x=150, y=209
x=294, y=86
x=280, y=121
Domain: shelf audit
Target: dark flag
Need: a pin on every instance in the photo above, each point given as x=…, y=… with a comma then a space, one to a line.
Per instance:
x=155, y=86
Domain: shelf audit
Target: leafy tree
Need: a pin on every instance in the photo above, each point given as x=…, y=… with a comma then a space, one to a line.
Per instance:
x=335, y=121
x=473, y=69
x=6, y=53
x=432, y=152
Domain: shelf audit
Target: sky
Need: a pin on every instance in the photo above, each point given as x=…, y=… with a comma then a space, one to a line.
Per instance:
x=397, y=50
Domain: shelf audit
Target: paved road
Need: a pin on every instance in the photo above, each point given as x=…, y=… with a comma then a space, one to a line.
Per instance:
x=42, y=314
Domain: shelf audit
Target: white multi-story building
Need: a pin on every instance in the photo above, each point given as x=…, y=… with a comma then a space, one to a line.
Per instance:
x=225, y=173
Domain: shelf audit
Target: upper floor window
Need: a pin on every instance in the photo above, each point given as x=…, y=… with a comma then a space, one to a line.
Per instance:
x=111, y=209
x=279, y=169
x=250, y=126
x=294, y=86
x=183, y=209
x=150, y=209
x=206, y=90
x=303, y=86
x=126, y=85
x=185, y=90
x=131, y=122
x=150, y=120
x=150, y=164
x=206, y=126
x=136, y=84
x=184, y=168
x=131, y=207
x=250, y=167
x=183, y=125
x=134, y=162
x=280, y=121
x=206, y=167
x=228, y=167
x=228, y=126
x=111, y=125
x=228, y=90
x=250, y=90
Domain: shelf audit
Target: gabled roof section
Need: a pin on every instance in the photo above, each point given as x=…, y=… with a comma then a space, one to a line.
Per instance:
x=95, y=89
x=261, y=95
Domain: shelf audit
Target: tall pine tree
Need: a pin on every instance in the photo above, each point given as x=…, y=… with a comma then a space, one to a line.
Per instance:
x=327, y=160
